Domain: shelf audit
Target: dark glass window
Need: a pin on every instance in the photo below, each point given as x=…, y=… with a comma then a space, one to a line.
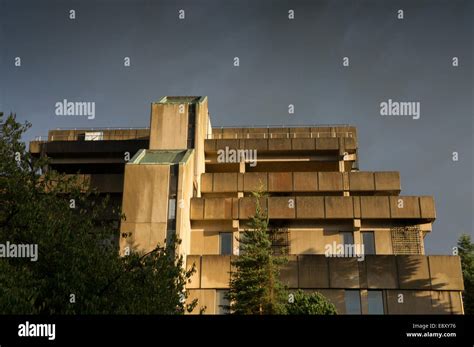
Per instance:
x=172, y=194
x=375, y=299
x=347, y=237
x=348, y=240
x=221, y=301
x=225, y=243
x=191, y=125
x=352, y=300
x=172, y=209
x=369, y=242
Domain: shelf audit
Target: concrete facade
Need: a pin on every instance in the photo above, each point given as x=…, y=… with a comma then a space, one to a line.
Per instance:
x=175, y=181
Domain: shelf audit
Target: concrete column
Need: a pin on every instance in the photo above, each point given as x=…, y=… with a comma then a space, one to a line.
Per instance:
x=364, y=301
x=341, y=165
x=242, y=167
x=235, y=236
x=345, y=183
x=357, y=241
x=357, y=224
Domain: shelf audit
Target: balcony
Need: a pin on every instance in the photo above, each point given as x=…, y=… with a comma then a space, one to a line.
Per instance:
x=417, y=209
x=427, y=284
x=329, y=144
x=357, y=183
x=404, y=272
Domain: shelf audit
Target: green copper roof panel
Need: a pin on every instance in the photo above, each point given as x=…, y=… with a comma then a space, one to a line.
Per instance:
x=161, y=156
x=181, y=99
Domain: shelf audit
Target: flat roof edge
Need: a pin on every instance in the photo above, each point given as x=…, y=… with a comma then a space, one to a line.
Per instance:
x=191, y=99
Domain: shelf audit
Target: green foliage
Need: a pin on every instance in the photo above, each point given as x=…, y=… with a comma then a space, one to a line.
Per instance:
x=301, y=303
x=255, y=287
x=75, y=263
x=466, y=252
x=150, y=283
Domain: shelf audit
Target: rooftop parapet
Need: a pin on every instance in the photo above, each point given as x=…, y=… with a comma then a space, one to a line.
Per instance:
x=96, y=134
x=285, y=132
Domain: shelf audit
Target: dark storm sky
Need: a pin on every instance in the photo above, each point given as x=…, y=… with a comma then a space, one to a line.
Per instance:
x=281, y=62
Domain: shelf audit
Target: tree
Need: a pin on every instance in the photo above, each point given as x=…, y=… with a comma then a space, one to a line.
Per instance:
x=301, y=303
x=255, y=287
x=466, y=252
x=76, y=271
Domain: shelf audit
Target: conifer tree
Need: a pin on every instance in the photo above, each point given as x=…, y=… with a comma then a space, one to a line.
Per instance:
x=255, y=287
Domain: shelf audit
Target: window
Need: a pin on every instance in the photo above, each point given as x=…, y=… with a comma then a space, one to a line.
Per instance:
x=173, y=183
x=225, y=243
x=94, y=136
x=375, y=299
x=191, y=125
x=348, y=242
x=347, y=238
x=172, y=209
x=352, y=299
x=221, y=302
x=369, y=242
x=172, y=190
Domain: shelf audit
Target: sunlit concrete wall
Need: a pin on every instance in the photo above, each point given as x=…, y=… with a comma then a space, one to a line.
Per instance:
x=168, y=126
x=410, y=284
x=184, y=195
x=145, y=206
x=203, y=123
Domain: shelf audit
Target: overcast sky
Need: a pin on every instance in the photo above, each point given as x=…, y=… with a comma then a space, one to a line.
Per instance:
x=282, y=62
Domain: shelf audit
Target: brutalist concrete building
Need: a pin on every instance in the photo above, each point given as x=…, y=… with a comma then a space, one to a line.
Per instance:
x=347, y=233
